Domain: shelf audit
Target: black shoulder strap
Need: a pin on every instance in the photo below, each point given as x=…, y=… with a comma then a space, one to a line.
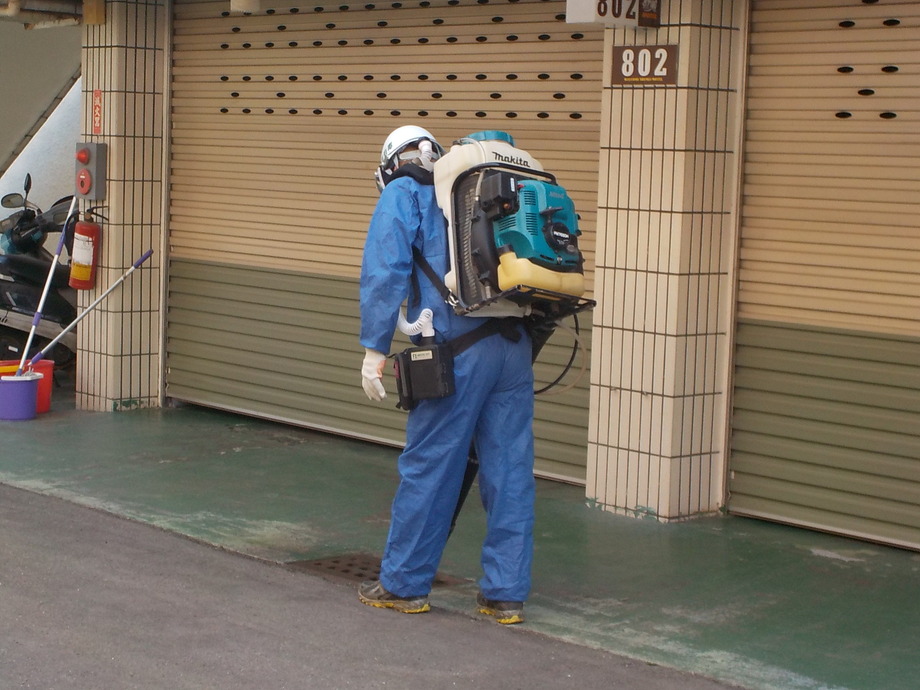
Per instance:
x=508, y=327
x=435, y=279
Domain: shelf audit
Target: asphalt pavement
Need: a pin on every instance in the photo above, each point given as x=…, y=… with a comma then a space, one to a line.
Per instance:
x=92, y=600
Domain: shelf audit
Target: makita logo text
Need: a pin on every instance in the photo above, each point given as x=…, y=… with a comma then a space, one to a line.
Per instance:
x=514, y=160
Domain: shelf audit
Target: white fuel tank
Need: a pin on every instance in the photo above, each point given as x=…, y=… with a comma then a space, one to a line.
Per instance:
x=481, y=149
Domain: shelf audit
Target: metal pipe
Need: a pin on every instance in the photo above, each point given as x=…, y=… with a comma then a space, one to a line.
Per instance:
x=41, y=302
x=41, y=355
x=12, y=9
x=54, y=6
x=15, y=7
x=39, y=10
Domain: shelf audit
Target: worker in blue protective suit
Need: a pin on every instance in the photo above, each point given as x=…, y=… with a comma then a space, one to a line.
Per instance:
x=492, y=407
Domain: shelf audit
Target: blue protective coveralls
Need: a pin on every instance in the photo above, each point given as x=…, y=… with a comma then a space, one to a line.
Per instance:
x=492, y=407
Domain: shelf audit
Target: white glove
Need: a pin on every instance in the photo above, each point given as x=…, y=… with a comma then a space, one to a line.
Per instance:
x=372, y=374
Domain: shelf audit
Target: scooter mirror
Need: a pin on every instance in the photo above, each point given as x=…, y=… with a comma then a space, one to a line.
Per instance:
x=12, y=201
x=27, y=185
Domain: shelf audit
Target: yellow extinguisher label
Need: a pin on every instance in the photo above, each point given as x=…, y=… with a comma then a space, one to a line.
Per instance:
x=81, y=262
x=80, y=272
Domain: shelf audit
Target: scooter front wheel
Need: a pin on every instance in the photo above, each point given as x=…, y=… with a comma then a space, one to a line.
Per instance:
x=12, y=343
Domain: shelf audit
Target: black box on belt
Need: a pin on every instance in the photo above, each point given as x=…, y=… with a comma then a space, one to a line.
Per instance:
x=423, y=373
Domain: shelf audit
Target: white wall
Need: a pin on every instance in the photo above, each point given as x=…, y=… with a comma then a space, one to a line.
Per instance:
x=49, y=156
x=35, y=65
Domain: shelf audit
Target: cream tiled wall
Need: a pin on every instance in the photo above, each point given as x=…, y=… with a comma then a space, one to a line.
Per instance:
x=665, y=256
x=119, y=342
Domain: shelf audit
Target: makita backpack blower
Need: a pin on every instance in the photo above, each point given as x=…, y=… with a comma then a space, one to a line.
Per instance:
x=513, y=232
x=513, y=243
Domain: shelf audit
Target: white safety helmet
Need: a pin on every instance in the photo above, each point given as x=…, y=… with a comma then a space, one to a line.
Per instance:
x=419, y=145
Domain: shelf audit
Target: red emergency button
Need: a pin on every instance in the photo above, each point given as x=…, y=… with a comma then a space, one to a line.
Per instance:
x=83, y=156
x=84, y=182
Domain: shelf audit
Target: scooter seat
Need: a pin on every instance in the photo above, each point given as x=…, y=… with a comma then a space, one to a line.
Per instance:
x=32, y=270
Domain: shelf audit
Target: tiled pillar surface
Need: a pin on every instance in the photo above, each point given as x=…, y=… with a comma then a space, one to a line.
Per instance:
x=119, y=342
x=666, y=228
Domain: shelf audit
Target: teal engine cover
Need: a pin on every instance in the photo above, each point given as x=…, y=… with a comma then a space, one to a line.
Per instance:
x=543, y=229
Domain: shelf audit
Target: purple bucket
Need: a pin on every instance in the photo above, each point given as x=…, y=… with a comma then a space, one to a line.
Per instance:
x=18, y=395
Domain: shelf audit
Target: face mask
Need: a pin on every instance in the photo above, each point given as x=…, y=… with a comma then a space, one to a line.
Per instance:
x=422, y=154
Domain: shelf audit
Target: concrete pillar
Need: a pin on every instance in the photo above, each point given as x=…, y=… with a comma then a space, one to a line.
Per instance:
x=665, y=256
x=120, y=342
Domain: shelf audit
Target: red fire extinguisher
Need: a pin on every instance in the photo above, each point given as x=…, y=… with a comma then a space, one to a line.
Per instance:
x=87, y=236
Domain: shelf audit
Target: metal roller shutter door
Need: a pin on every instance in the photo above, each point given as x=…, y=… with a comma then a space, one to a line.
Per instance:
x=277, y=119
x=826, y=419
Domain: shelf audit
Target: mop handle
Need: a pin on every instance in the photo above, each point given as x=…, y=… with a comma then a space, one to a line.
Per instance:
x=38, y=357
x=41, y=302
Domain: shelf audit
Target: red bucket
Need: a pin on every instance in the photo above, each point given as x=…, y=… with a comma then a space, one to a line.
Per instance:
x=45, y=367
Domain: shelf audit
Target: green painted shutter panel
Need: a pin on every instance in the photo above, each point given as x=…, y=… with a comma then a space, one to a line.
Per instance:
x=826, y=431
x=282, y=345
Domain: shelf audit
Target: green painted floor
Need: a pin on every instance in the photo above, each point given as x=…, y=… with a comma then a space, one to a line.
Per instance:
x=748, y=602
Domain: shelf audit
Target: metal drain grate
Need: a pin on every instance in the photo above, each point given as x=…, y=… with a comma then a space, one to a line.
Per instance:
x=356, y=567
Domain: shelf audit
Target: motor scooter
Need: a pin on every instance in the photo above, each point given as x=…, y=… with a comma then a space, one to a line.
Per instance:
x=24, y=268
